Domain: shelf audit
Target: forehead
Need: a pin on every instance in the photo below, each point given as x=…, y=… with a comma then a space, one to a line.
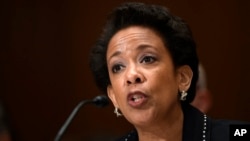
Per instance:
x=133, y=33
x=134, y=36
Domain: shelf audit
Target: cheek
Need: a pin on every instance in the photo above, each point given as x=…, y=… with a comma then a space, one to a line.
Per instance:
x=164, y=82
x=115, y=79
x=117, y=84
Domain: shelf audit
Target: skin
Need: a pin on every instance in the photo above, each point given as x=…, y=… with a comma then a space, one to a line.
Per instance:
x=140, y=65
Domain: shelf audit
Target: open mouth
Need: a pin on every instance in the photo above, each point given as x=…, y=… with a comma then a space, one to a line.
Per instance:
x=137, y=99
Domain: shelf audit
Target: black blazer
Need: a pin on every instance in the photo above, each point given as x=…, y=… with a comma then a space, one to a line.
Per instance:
x=197, y=127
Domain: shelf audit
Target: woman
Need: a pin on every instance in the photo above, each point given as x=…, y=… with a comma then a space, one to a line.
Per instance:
x=146, y=62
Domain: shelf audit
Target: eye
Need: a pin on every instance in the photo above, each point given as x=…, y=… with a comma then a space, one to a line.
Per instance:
x=148, y=59
x=117, y=67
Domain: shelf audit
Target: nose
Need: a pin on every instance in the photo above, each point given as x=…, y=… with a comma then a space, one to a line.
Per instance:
x=134, y=76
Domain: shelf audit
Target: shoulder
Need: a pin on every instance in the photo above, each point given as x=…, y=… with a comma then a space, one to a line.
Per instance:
x=220, y=129
x=196, y=127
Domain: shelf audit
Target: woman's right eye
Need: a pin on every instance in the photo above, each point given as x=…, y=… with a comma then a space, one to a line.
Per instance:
x=116, y=68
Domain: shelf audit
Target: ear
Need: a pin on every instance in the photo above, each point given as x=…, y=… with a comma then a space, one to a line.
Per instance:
x=111, y=95
x=185, y=75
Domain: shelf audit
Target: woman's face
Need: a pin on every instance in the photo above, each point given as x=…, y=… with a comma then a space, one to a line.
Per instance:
x=144, y=83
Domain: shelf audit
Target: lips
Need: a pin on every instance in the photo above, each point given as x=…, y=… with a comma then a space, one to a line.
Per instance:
x=137, y=99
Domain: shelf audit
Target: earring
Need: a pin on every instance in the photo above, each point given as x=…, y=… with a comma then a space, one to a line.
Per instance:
x=116, y=111
x=183, y=96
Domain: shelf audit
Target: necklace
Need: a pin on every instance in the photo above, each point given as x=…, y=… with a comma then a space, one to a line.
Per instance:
x=204, y=128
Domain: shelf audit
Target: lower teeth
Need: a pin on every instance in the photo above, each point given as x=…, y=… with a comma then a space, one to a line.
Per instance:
x=136, y=99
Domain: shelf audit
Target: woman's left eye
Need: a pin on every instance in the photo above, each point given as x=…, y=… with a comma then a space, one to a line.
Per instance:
x=148, y=59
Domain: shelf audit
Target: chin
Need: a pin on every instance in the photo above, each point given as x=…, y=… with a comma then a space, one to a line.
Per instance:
x=141, y=118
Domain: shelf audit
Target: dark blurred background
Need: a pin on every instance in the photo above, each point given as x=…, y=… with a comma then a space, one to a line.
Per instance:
x=44, y=71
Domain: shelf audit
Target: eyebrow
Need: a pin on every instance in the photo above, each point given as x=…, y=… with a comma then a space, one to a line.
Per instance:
x=139, y=48
x=114, y=54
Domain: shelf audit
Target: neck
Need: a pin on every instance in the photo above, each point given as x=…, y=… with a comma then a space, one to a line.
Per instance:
x=168, y=128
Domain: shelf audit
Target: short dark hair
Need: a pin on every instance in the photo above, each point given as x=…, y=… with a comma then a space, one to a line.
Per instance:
x=174, y=32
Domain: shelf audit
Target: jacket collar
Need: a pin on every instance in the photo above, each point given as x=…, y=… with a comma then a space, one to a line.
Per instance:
x=193, y=126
